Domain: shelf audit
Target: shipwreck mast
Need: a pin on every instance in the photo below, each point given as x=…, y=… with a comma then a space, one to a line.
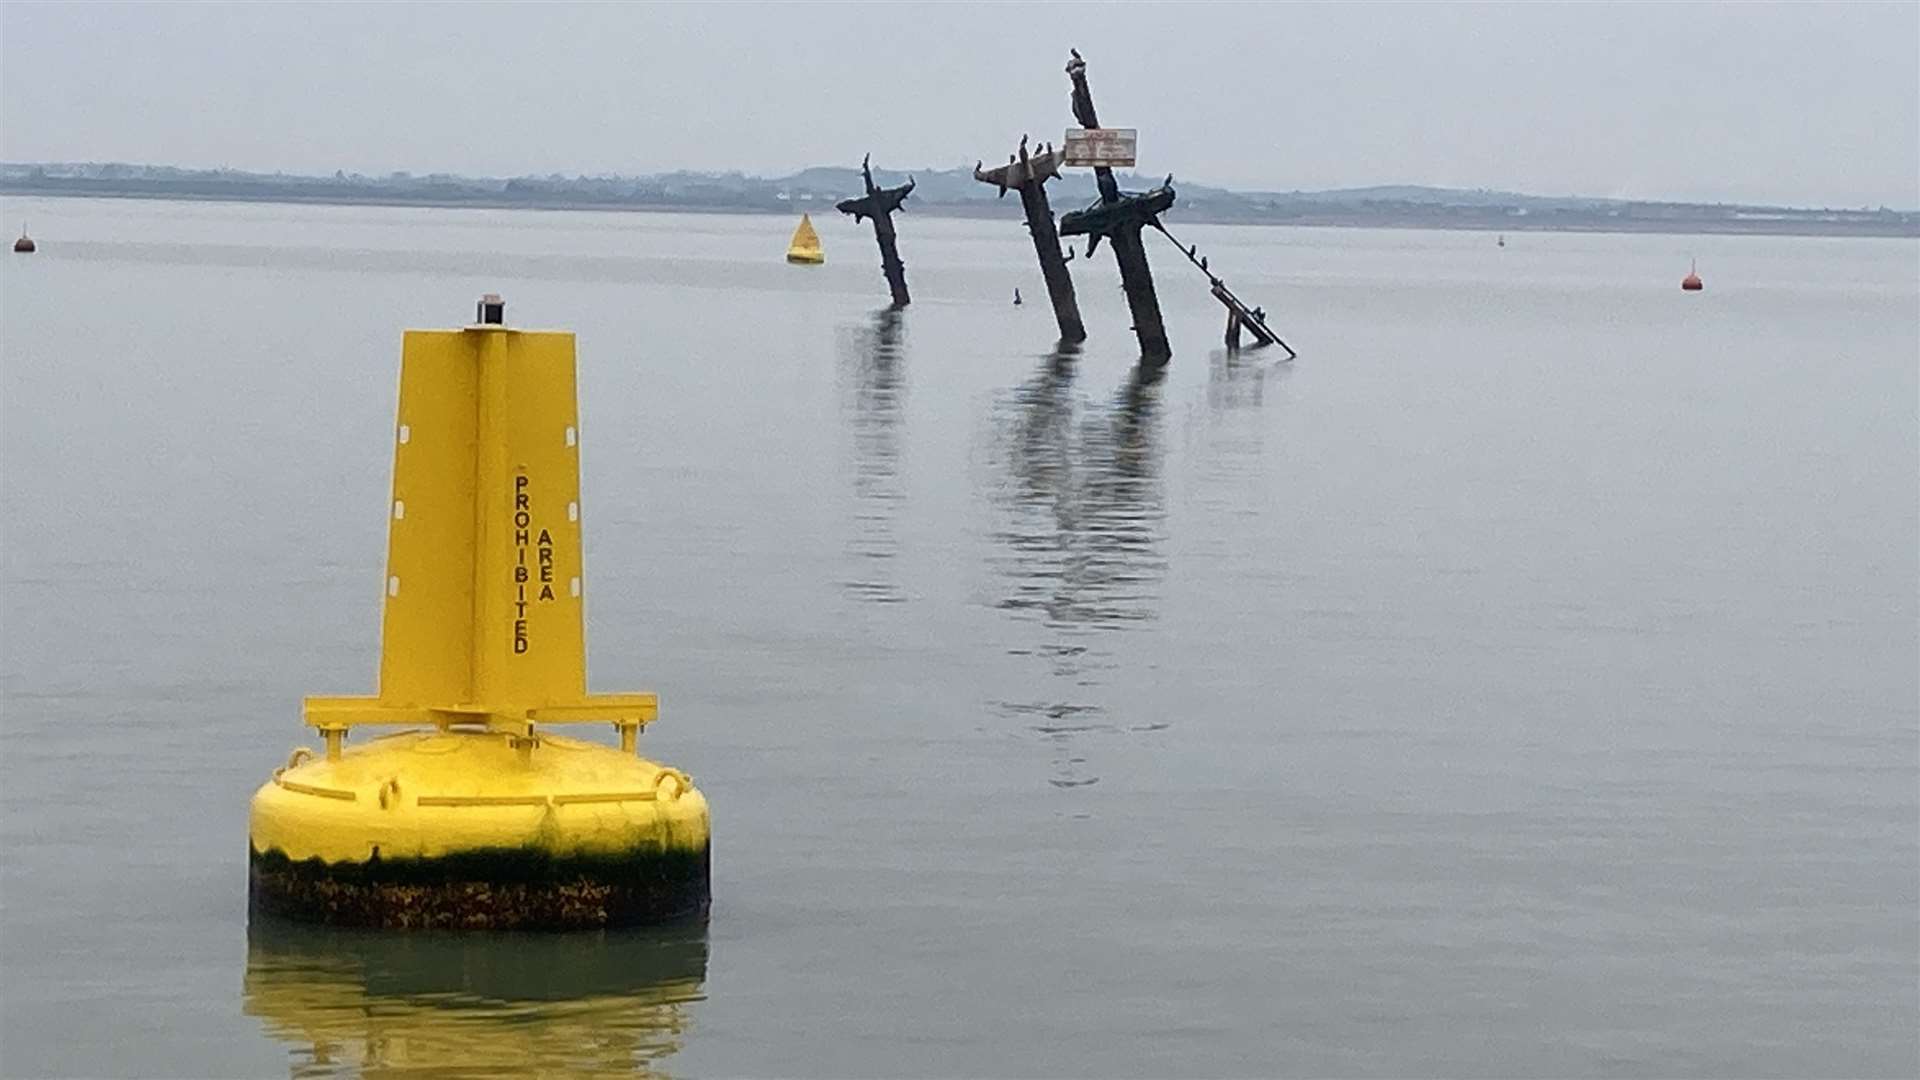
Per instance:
x=879, y=204
x=1119, y=216
x=1028, y=175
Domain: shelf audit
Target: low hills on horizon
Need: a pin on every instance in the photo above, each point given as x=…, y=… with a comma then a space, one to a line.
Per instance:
x=952, y=192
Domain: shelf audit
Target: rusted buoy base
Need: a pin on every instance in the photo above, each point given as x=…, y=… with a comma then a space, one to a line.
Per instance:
x=500, y=889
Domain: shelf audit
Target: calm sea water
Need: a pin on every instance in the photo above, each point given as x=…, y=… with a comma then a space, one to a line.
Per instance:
x=1522, y=682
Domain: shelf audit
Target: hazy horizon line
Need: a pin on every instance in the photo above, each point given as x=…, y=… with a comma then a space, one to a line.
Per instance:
x=773, y=176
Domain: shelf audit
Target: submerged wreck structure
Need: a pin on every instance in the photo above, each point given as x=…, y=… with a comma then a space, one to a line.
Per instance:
x=879, y=204
x=1118, y=216
x=1239, y=316
x=1028, y=174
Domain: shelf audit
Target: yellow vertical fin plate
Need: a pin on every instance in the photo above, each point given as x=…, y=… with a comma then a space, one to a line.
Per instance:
x=426, y=640
x=535, y=653
x=483, y=611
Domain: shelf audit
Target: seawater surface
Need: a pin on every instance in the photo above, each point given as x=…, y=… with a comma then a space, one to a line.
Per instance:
x=1522, y=682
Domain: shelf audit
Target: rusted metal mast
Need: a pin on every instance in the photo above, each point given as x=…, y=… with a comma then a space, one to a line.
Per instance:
x=1119, y=216
x=1028, y=175
x=1239, y=314
x=879, y=204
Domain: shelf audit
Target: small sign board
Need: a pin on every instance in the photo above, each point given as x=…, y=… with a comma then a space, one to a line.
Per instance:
x=1111, y=147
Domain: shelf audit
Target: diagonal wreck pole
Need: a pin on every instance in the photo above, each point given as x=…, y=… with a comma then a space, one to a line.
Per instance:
x=1028, y=175
x=879, y=204
x=1239, y=315
x=1119, y=216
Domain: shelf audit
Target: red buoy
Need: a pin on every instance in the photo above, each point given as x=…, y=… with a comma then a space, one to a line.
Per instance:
x=1692, y=282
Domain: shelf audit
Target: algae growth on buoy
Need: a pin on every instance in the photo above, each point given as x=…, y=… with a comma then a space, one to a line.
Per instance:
x=475, y=814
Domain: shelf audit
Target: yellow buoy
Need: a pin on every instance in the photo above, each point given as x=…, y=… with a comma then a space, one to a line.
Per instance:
x=477, y=816
x=805, y=248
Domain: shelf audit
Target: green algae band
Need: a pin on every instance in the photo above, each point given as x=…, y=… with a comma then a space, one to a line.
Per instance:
x=499, y=889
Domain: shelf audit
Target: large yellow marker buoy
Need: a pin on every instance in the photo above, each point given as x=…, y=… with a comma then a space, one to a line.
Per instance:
x=477, y=816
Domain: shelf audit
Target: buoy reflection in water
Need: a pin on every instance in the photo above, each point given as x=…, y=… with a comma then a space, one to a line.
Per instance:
x=359, y=1003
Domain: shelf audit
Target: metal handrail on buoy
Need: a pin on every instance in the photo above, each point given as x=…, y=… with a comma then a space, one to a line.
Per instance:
x=682, y=783
x=300, y=756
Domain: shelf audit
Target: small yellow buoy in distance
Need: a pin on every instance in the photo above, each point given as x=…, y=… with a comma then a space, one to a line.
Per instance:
x=804, y=249
x=475, y=814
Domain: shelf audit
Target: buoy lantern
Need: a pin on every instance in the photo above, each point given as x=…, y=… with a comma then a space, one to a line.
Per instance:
x=476, y=815
x=1692, y=282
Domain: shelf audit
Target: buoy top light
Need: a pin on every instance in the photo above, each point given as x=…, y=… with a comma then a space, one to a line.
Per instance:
x=491, y=311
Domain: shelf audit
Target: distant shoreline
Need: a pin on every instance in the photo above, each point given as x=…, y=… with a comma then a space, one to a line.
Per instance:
x=1674, y=219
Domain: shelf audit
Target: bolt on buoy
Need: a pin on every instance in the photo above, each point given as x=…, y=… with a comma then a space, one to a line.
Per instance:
x=478, y=817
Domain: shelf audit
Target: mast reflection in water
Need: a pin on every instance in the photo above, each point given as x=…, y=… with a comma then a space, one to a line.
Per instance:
x=360, y=1003
x=1079, y=521
x=873, y=397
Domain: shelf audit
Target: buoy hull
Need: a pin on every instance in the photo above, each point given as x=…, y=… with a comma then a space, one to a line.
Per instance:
x=806, y=259
x=23, y=246
x=429, y=829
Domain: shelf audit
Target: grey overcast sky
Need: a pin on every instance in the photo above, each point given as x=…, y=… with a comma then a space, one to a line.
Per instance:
x=1810, y=104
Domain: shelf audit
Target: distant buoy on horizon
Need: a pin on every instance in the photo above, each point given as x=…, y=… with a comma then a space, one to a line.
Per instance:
x=1501, y=242
x=25, y=244
x=1016, y=298
x=1692, y=282
x=804, y=250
